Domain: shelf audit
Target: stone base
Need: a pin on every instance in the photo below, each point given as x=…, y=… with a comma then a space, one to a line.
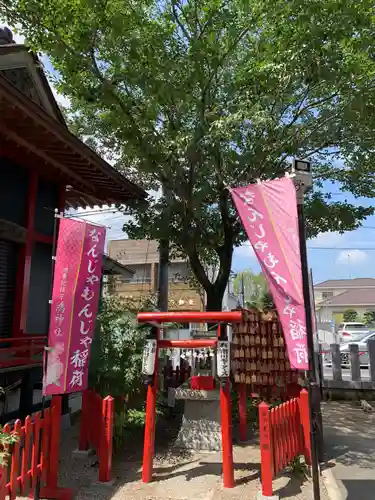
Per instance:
x=201, y=426
x=83, y=454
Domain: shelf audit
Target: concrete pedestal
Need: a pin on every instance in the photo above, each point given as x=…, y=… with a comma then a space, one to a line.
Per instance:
x=201, y=423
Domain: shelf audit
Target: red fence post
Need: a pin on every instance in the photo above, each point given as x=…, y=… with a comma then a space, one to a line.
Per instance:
x=305, y=422
x=242, y=411
x=106, y=439
x=83, y=442
x=226, y=435
x=265, y=449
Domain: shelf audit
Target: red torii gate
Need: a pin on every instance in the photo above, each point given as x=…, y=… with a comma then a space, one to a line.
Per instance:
x=156, y=319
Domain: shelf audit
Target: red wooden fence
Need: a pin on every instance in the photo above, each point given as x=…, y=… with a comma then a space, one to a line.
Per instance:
x=175, y=377
x=284, y=435
x=27, y=461
x=96, y=430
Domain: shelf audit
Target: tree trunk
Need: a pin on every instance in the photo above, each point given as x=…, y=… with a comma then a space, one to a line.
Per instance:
x=214, y=299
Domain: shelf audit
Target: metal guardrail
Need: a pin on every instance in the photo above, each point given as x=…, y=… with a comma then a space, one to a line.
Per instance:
x=348, y=370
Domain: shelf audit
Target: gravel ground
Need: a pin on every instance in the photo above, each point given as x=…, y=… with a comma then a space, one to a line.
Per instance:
x=178, y=475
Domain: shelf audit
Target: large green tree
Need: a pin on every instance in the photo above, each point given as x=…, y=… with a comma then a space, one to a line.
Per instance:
x=190, y=96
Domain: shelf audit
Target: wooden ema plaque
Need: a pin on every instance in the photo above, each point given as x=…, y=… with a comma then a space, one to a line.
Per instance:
x=259, y=357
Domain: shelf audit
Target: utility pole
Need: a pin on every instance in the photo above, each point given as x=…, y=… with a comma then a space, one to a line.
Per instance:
x=163, y=275
x=162, y=302
x=301, y=172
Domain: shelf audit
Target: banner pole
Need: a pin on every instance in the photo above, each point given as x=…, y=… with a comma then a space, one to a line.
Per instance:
x=45, y=357
x=313, y=388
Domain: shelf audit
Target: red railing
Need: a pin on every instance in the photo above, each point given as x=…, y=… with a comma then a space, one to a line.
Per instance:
x=96, y=430
x=175, y=377
x=284, y=436
x=28, y=460
x=22, y=351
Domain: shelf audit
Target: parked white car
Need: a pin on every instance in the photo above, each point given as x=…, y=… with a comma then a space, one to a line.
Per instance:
x=352, y=330
x=361, y=341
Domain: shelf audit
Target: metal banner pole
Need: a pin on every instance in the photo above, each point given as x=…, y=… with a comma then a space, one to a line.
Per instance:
x=45, y=360
x=302, y=172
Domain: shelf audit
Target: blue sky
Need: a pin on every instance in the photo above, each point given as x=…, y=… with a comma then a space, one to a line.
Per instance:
x=331, y=255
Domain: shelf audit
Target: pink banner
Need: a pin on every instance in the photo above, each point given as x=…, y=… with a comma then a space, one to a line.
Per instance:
x=75, y=298
x=268, y=211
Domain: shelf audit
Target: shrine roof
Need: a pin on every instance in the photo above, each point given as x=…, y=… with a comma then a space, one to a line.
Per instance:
x=46, y=141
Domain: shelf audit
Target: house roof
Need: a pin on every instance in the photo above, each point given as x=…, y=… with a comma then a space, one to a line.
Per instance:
x=111, y=266
x=354, y=297
x=347, y=283
x=138, y=251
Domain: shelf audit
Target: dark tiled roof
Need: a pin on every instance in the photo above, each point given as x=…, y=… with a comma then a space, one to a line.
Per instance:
x=357, y=297
x=348, y=283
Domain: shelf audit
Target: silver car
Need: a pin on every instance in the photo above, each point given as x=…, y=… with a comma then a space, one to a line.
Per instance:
x=361, y=341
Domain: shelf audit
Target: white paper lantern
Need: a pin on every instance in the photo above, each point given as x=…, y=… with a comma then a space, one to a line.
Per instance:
x=149, y=356
x=223, y=359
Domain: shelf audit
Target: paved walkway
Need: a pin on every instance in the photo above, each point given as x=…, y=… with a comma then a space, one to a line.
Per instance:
x=349, y=435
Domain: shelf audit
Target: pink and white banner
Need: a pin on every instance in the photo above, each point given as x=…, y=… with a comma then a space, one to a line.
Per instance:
x=75, y=298
x=268, y=211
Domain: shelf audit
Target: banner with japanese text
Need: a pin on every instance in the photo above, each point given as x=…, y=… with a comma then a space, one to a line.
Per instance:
x=268, y=211
x=75, y=299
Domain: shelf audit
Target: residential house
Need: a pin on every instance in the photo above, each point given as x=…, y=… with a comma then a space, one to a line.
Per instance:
x=334, y=297
x=142, y=257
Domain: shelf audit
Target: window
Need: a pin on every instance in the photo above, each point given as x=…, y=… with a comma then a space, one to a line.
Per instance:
x=327, y=295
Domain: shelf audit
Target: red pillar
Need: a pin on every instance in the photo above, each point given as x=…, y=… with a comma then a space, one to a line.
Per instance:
x=242, y=411
x=226, y=434
x=265, y=449
x=106, y=439
x=33, y=186
x=149, y=439
x=53, y=467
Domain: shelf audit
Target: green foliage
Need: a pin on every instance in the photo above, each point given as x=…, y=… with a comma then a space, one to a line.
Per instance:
x=255, y=290
x=193, y=96
x=254, y=287
x=350, y=315
x=6, y=440
x=116, y=361
x=369, y=317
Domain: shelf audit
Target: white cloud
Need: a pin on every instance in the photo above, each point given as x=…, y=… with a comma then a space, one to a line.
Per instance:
x=349, y=257
x=244, y=251
x=327, y=240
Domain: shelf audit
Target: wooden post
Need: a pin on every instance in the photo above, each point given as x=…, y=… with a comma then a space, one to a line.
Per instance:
x=106, y=441
x=83, y=442
x=265, y=449
x=242, y=411
x=226, y=434
x=371, y=353
x=305, y=422
x=336, y=362
x=355, y=367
